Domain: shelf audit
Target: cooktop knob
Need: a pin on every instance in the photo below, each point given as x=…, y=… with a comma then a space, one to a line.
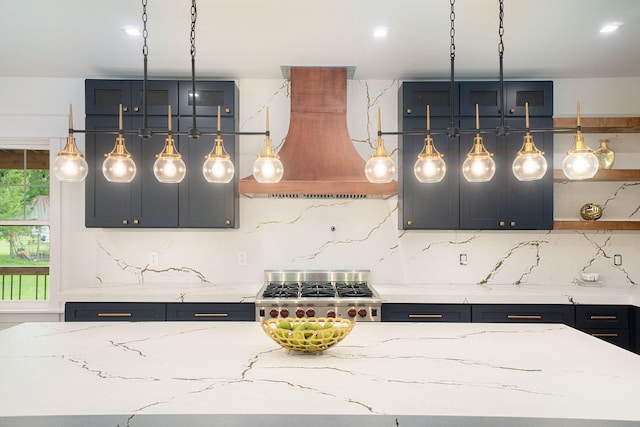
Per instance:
x=311, y=312
x=352, y=312
x=284, y=312
x=362, y=312
x=299, y=312
x=331, y=313
x=273, y=312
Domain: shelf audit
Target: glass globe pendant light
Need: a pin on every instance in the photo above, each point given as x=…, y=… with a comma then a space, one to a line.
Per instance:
x=218, y=167
x=267, y=168
x=581, y=162
x=430, y=167
x=118, y=165
x=70, y=165
x=169, y=167
x=380, y=168
x=479, y=165
x=530, y=163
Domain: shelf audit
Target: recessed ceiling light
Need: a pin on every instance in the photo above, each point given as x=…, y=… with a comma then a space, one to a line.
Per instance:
x=130, y=31
x=610, y=27
x=380, y=32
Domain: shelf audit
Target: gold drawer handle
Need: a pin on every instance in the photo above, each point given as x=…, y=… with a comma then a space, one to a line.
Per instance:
x=604, y=335
x=114, y=314
x=524, y=316
x=211, y=315
x=425, y=316
x=604, y=317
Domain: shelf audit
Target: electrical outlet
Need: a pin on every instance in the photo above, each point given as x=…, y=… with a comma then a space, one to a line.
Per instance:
x=153, y=259
x=463, y=259
x=242, y=258
x=617, y=260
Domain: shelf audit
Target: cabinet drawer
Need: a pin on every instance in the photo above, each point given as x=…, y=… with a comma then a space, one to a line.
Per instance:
x=211, y=311
x=113, y=311
x=524, y=313
x=602, y=317
x=426, y=313
x=619, y=337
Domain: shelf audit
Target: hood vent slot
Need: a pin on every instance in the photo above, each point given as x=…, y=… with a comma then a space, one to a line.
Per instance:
x=319, y=158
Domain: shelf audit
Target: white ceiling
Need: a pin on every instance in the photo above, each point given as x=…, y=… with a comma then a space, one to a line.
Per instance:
x=253, y=38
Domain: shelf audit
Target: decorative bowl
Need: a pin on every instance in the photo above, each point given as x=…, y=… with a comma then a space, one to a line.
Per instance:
x=591, y=211
x=308, y=335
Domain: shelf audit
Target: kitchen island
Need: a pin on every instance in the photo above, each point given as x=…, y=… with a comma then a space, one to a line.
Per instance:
x=382, y=374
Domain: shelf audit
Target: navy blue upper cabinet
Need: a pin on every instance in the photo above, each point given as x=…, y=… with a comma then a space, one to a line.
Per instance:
x=104, y=97
x=505, y=203
x=427, y=206
x=209, y=95
x=539, y=95
x=415, y=96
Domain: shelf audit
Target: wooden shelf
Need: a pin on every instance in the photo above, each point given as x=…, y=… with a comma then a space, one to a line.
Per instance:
x=596, y=225
x=603, y=175
x=601, y=124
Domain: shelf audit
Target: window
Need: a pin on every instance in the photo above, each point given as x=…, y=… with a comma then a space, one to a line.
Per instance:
x=24, y=224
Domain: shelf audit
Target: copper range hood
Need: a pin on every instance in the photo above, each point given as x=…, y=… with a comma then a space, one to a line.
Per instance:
x=319, y=158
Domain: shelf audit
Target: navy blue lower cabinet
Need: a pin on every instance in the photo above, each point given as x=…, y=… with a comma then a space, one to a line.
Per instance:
x=211, y=311
x=611, y=323
x=114, y=312
x=400, y=312
x=524, y=313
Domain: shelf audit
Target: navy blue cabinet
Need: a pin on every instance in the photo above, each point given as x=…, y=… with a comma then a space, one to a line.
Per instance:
x=145, y=202
x=211, y=311
x=523, y=313
x=539, y=95
x=114, y=312
x=398, y=312
x=607, y=322
x=504, y=203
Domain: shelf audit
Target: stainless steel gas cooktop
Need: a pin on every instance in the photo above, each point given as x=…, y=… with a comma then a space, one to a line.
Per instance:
x=318, y=293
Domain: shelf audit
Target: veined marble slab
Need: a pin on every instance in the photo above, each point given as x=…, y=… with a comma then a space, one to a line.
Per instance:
x=413, y=293
x=382, y=374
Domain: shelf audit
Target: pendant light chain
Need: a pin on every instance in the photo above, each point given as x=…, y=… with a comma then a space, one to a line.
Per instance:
x=194, y=132
x=452, y=131
x=144, y=132
x=502, y=130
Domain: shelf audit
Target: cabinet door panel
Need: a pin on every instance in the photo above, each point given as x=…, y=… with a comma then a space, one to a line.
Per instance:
x=105, y=97
x=160, y=94
x=481, y=203
x=415, y=96
x=209, y=94
x=539, y=95
x=107, y=204
x=205, y=204
x=529, y=204
x=392, y=312
x=523, y=313
x=211, y=312
x=428, y=205
x=114, y=312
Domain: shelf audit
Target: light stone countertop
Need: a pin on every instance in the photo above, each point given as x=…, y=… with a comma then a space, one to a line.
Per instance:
x=414, y=293
x=382, y=374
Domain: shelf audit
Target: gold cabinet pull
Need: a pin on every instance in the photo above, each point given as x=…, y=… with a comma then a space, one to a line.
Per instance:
x=125, y=221
x=136, y=109
x=409, y=222
x=125, y=109
x=513, y=223
x=227, y=110
x=409, y=111
x=596, y=317
x=114, y=314
x=501, y=223
x=211, y=315
x=136, y=222
x=425, y=316
x=600, y=335
x=525, y=316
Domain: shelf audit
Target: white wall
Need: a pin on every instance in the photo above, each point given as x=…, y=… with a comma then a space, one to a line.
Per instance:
x=279, y=233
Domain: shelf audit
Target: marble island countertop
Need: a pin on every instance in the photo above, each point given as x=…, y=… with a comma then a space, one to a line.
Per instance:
x=382, y=374
x=413, y=293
